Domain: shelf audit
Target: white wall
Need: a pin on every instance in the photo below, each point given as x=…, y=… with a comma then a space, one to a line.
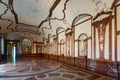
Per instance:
x=118, y=47
x=118, y=37
x=93, y=51
x=89, y=49
x=76, y=49
x=113, y=41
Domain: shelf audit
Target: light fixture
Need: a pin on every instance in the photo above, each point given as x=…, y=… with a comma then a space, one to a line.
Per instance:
x=11, y=42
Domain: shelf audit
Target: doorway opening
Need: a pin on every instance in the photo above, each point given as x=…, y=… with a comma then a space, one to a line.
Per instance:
x=11, y=52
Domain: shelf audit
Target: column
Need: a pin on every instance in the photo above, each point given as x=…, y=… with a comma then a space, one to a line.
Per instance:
x=2, y=45
x=2, y=48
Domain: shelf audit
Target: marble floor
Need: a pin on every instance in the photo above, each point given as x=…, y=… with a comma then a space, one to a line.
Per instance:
x=43, y=69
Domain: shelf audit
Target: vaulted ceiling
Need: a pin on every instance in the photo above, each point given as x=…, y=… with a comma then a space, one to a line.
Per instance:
x=39, y=18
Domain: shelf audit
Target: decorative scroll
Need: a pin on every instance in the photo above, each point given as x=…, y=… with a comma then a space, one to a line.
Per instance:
x=100, y=27
x=101, y=37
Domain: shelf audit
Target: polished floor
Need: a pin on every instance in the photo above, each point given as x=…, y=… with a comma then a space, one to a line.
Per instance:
x=43, y=69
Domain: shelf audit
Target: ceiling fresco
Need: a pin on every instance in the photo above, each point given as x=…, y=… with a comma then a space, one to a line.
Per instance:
x=39, y=18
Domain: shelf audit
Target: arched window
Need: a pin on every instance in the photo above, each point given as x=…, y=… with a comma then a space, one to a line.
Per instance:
x=82, y=45
x=26, y=45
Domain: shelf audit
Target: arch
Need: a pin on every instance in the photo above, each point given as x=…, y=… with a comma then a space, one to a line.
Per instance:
x=114, y=3
x=81, y=16
x=59, y=29
x=82, y=35
x=68, y=29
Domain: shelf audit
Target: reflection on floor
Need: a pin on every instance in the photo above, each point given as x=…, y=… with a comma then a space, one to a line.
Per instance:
x=42, y=69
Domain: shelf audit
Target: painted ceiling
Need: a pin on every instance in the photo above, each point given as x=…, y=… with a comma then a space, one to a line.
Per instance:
x=39, y=18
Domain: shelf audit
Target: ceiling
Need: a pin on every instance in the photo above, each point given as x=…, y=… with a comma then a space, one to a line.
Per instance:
x=38, y=18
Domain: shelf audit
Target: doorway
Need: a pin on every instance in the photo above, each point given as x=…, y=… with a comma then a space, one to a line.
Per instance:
x=11, y=52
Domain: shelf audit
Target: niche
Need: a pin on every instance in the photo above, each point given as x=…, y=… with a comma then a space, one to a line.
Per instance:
x=82, y=45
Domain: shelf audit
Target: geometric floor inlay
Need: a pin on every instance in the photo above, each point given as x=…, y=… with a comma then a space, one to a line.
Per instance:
x=42, y=69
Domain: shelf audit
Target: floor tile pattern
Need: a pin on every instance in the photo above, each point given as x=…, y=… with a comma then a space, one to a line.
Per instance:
x=42, y=69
